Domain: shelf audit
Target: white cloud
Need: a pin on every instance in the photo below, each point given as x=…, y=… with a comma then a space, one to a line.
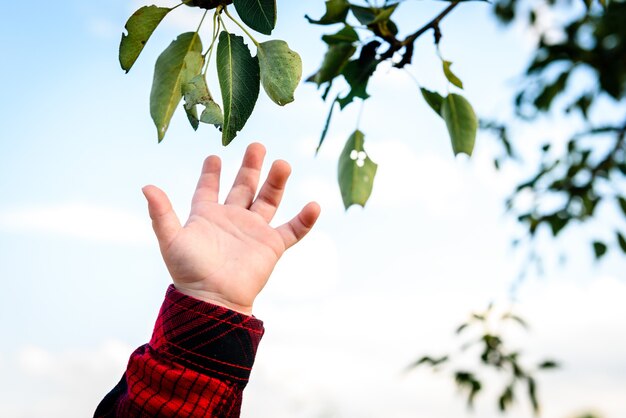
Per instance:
x=42, y=383
x=80, y=220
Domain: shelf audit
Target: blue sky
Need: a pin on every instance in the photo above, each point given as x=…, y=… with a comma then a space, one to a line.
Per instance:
x=365, y=294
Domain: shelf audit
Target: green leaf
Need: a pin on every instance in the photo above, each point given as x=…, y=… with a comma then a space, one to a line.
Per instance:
x=345, y=35
x=532, y=394
x=431, y=361
x=450, y=75
x=383, y=15
x=335, y=59
x=434, y=100
x=467, y=381
x=171, y=71
x=599, y=249
x=461, y=122
x=461, y=327
x=622, y=204
x=281, y=70
x=336, y=11
x=548, y=364
x=196, y=92
x=139, y=27
x=326, y=125
x=358, y=72
x=621, y=240
x=260, y=15
x=238, y=73
x=515, y=318
x=372, y=15
x=356, y=172
x=506, y=399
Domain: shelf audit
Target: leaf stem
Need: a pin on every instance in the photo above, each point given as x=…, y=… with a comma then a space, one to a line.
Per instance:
x=201, y=21
x=180, y=4
x=241, y=27
x=358, y=119
x=216, y=30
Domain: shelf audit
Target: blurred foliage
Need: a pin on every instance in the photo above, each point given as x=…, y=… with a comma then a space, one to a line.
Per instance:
x=578, y=72
x=486, y=331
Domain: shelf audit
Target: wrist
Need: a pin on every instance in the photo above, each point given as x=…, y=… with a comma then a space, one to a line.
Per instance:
x=215, y=299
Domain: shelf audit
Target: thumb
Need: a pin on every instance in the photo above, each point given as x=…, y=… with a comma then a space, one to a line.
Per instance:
x=164, y=221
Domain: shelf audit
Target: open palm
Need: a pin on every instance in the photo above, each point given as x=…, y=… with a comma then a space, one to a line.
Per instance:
x=225, y=253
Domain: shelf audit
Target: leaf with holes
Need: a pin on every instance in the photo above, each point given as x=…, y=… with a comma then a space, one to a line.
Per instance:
x=139, y=27
x=281, y=70
x=171, y=72
x=196, y=92
x=450, y=75
x=238, y=74
x=356, y=172
x=461, y=122
x=260, y=15
x=336, y=11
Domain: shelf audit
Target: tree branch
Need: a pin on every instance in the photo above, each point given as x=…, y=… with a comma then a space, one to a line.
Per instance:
x=408, y=42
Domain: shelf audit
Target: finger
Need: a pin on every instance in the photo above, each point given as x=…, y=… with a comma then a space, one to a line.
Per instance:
x=164, y=221
x=272, y=190
x=208, y=186
x=247, y=180
x=294, y=230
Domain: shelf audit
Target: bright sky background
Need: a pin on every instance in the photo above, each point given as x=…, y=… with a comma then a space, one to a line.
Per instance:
x=365, y=294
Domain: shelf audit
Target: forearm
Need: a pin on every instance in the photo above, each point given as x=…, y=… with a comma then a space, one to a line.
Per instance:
x=196, y=364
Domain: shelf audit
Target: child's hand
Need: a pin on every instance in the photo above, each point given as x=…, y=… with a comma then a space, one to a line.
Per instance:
x=225, y=253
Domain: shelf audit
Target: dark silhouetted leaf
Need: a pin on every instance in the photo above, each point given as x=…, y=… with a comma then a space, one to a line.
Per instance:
x=238, y=73
x=506, y=399
x=431, y=361
x=467, y=381
x=621, y=240
x=139, y=27
x=548, y=364
x=532, y=394
x=622, y=204
x=599, y=249
x=260, y=15
x=358, y=72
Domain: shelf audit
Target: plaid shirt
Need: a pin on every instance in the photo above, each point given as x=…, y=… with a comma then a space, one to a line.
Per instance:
x=196, y=364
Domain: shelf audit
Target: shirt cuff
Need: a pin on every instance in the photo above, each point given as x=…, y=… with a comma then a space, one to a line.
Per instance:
x=206, y=338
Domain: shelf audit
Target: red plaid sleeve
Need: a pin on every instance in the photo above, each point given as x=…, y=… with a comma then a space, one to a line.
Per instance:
x=196, y=364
